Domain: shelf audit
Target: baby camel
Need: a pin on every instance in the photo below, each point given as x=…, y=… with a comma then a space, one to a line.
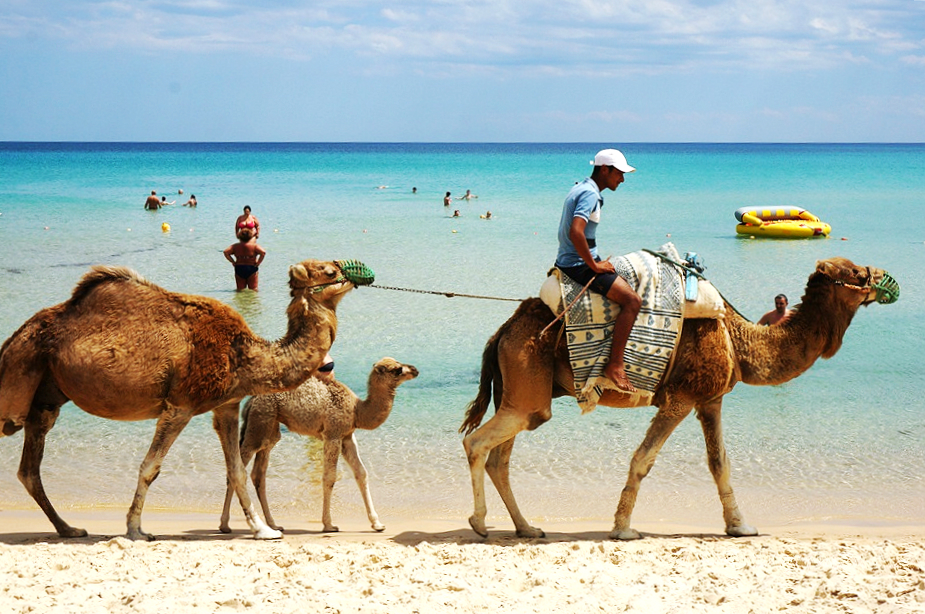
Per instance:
x=326, y=410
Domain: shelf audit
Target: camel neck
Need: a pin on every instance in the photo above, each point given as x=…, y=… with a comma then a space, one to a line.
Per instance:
x=769, y=355
x=374, y=410
x=284, y=364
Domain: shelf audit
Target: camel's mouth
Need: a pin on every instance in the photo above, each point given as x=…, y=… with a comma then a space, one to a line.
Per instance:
x=352, y=272
x=356, y=272
x=339, y=282
x=887, y=289
x=884, y=290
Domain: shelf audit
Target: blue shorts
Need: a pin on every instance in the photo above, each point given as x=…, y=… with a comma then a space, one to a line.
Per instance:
x=582, y=274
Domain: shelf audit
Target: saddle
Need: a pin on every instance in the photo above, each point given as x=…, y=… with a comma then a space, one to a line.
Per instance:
x=661, y=279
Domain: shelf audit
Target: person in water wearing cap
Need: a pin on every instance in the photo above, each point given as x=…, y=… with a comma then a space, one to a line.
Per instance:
x=578, y=256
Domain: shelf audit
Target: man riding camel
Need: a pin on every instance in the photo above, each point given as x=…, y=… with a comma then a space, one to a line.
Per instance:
x=578, y=256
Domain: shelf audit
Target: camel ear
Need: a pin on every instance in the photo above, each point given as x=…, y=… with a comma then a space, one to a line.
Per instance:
x=826, y=268
x=297, y=272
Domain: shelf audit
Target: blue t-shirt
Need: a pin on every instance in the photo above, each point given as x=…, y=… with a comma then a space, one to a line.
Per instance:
x=584, y=201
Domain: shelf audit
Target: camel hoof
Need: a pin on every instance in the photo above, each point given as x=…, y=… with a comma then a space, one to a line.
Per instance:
x=478, y=526
x=72, y=532
x=379, y=528
x=742, y=530
x=224, y=528
x=625, y=534
x=268, y=533
x=531, y=532
x=139, y=536
x=330, y=529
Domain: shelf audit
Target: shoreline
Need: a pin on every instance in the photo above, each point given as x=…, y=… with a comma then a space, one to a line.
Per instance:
x=442, y=566
x=31, y=526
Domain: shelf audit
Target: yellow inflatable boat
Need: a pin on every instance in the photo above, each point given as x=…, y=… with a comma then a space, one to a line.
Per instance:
x=780, y=222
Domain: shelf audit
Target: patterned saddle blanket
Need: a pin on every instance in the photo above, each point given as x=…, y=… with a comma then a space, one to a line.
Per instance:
x=659, y=281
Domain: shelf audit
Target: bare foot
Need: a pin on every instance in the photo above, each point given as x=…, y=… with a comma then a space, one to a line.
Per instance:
x=617, y=375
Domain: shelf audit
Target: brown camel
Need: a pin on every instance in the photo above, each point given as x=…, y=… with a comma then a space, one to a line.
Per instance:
x=125, y=349
x=326, y=410
x=526, y=369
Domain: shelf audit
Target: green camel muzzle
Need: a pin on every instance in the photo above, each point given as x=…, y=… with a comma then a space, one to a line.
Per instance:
x=887, y=289
x=356, y=272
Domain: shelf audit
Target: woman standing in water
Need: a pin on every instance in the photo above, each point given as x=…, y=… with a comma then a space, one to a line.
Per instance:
x=247, y=221
x=246, y=257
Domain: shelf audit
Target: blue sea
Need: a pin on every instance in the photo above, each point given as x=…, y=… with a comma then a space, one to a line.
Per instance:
x=842, y=444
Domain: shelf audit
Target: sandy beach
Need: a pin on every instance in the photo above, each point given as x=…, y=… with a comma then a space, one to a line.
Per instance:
x=441, y=566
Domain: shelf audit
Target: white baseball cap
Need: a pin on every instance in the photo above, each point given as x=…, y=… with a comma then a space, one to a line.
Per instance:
x=614, y=158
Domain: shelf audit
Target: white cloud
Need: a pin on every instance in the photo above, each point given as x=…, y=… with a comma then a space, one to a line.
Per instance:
x=662, y=33
x=594, y=37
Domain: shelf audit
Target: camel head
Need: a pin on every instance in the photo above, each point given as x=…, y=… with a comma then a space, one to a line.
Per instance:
x=390, y=369
x=838, y=288
x=327, y=282
x=869, y=284
x=385, y=378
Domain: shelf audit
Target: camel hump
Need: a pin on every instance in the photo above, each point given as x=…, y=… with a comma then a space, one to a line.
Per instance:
x=104, y=274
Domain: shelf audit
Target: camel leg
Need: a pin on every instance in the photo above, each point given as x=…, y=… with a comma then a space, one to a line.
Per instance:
x=225, y=423
x=246, y=454
x=663, y=424
x=331, y=455
x=224, y=523
x=710, y=417
x=352, y=456
x=169, y=425
x=259, y=478
x=502, y=427
x=39, y=421
x=498, y=468
x=262, y=436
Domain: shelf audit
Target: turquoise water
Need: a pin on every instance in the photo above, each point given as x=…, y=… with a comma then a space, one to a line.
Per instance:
x=845, y=442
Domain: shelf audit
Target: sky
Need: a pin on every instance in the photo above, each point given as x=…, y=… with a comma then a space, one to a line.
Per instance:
x=463, y=70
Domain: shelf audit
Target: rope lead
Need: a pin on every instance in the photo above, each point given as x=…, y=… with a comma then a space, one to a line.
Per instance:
x=447, y=294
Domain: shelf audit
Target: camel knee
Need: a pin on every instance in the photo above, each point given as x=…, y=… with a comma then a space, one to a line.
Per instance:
x=718, y=464
x=640, y=466
x=467, y=446
x=28, y=479
x=147, y=477
x=329, y=477
x=329, y=482
x=257, y=478
x=499, y=459
x=475, y=455
x=360, y=474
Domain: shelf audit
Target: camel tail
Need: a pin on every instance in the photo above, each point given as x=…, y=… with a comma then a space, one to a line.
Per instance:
x=489, y=380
